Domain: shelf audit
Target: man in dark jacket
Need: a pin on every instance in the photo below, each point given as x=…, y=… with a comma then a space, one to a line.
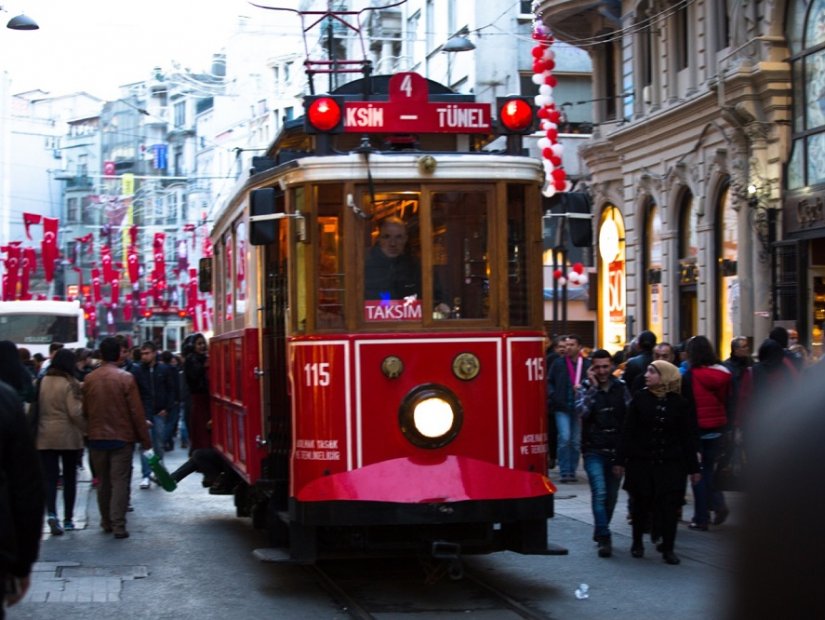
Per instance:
x=602, y=402
x=637, y=365
x=21, y=500
x=564, y=378
x=156, y=384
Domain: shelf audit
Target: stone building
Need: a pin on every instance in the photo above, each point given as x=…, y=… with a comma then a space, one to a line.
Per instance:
x=705, y=162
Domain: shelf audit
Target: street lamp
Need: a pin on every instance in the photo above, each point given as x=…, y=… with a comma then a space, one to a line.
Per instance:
x=456, y=43
x=21, y=22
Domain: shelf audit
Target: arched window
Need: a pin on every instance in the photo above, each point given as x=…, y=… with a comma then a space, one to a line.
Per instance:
x=806, y=34
x=688, y=267
x=612, y=288
x=727, y=282
x=654, y=297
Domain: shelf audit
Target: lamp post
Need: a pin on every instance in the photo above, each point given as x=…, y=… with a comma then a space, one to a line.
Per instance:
x=20, y=22
x=456, y=43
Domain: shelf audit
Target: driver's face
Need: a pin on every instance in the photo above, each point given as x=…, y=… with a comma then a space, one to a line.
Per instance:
x=391, y=239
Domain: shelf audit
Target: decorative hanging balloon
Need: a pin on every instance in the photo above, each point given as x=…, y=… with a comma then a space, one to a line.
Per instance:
x=544, y=61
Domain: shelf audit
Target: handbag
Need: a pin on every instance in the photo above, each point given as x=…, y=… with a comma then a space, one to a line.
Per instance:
x=33, y=413
x=730, y=469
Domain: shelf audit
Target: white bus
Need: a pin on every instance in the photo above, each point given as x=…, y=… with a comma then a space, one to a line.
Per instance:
x=36, y=324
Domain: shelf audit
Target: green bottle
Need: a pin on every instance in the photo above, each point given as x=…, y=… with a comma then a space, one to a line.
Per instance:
x=161, y=473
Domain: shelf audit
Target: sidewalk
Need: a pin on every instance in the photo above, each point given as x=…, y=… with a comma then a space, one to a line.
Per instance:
x=712, y=547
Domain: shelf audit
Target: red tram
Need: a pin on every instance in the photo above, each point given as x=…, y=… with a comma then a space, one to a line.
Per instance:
x=377, y=367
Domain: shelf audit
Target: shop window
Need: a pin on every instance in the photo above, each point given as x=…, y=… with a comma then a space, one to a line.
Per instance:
x=727, y=252
x=653, y=256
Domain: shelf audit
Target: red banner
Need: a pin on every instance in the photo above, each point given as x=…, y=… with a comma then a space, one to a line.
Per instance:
x=132, y=263
x=96, y=295
x=27, y=265
x=115, y=285
x=12, y=270
x=48, y=246
x=28, y=220
x=106, y=262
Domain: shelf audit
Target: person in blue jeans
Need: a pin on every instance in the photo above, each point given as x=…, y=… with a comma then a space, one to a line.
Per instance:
x=155, y=382
x=601, y=402
x=564, y=378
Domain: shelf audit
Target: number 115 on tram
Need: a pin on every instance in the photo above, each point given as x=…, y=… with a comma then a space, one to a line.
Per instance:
x=377, y=368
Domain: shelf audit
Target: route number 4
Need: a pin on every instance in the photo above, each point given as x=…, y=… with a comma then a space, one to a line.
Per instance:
x=535, y=368
x=317, y=374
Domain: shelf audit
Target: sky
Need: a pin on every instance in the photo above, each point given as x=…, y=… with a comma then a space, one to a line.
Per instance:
x=97, y=45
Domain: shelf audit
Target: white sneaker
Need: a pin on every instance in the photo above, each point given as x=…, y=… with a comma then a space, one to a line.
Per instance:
x=144, y=484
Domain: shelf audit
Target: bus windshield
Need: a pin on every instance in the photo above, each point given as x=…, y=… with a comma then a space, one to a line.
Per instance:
x=38, y=328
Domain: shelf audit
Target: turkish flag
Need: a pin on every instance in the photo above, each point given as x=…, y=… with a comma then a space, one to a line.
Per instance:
x=106, y=262
x=12, y=269
x=160, y=259
x=96, y=296
x=127, y=312
x=48, y=246
x=28, y=220
x=27, y=265
x=115, y=283
x=132, y=262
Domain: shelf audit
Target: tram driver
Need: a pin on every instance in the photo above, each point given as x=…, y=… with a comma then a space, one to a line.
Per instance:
x=392, y=274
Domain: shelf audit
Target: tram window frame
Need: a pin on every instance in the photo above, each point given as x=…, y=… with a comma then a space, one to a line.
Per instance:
x=370, y=231
x=517, y=214
x=230, y=256
x=491, y=268
x=303, y=256
x=425, y=192
x=328, y=209
x=240, y=266
x=218, y=300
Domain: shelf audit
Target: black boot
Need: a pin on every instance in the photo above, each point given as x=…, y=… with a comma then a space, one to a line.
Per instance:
x=605, y=547
x=670, y=557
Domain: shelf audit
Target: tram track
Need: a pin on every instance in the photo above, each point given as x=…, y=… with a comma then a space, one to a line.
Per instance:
x=363, y=597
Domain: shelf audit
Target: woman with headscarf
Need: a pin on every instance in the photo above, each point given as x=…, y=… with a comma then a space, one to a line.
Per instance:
x=656, y=452
x=60, y=435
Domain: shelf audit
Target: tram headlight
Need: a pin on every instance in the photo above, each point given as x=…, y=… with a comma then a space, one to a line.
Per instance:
x=430, y=416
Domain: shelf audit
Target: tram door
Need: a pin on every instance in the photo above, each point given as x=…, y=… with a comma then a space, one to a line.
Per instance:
x=276, y=407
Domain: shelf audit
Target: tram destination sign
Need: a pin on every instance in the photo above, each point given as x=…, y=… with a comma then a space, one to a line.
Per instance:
x=409, y=110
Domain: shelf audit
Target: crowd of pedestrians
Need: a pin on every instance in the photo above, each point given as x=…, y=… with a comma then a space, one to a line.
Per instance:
x=106, y=401
x=655, y=418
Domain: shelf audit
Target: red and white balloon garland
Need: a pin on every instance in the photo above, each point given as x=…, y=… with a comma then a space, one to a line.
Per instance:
x=576, y=276
x=543, y=64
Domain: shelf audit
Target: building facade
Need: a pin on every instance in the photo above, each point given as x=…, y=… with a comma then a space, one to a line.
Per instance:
x=703, y=165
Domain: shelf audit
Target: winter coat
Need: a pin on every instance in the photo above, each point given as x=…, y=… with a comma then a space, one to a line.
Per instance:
x=634, y=371
x=60, y=412
x=388, y=277
x=112, y=407
x=603, y=413
x=157, y=388
x=21, y=489
x=709, y=389
x=658, y=444
x=560, y=394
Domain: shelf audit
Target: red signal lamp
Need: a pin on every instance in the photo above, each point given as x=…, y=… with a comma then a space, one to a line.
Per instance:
x=324, y=114
x=182, y=313
x=516, y=115
x=147, y=314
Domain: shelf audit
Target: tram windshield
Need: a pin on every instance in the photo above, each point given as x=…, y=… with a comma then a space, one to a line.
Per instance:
x=426, y=255
x=457, y=241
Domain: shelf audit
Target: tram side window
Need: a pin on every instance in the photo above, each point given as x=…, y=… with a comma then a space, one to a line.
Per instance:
x=219, y=265
x=517, y=256
x=240, y=268
x=392, y=267
x=330, y=259
x=229, y=255
x=461, y=266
